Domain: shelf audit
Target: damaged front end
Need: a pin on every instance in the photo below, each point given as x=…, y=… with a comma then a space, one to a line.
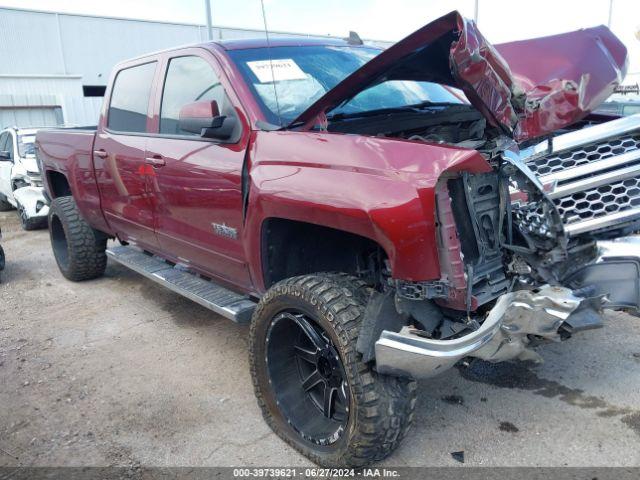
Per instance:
x=533, y=251
x=518, y=247
x=505, y=334
x=32, y=205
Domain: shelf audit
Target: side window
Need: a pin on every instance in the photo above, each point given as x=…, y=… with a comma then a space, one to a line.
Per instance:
x=130, y=99
x=9, y=145
x=189, y=80
x=3, y=141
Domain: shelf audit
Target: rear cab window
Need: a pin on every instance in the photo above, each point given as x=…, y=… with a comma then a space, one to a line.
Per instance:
x=129, y=104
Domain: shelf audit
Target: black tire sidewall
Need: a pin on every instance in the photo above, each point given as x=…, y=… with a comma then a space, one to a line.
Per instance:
x=5, y=206
x=85, y=247
x=291, y=301
x=56, y=211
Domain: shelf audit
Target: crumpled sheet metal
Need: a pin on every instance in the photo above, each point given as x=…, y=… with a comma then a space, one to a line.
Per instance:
x=528, y=88
x=527, y=312
x=483, y=75
x=532, y=88
x=503, y=335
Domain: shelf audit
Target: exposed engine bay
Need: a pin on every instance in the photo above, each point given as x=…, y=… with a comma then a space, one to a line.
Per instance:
x=458, y=125
x=520, y=248
x=523, y=249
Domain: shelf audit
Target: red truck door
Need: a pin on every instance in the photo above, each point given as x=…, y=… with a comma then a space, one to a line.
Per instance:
x=119, y=156
x=197, y=183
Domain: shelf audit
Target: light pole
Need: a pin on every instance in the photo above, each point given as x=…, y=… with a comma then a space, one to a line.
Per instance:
x=207, y=6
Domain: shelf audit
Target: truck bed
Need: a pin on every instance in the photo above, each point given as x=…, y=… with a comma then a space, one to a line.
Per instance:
x=66, y=158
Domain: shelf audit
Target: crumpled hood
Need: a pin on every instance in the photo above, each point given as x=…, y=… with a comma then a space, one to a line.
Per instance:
x=527, y=89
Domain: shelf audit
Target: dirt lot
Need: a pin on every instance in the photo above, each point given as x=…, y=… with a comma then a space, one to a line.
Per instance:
x=119, y=371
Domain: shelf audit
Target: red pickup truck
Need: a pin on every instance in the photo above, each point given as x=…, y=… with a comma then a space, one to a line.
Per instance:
x=378, y=216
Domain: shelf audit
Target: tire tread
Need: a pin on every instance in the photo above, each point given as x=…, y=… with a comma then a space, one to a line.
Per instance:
x=384, y=405
x=85, y=246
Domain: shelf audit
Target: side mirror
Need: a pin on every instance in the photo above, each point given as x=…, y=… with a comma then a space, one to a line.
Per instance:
x=5, y=156
x=204, y=119
x=222, y=128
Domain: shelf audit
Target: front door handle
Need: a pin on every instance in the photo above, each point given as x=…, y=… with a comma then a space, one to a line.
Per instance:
x=100, y=153
x=156, y=162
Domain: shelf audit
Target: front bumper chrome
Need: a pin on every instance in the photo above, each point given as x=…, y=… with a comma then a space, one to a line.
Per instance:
x=504, y=334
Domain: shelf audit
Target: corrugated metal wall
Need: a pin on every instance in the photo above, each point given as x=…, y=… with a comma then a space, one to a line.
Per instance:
x=29, y=43
x=36, y=116
x=41, y=84
x=64, y=44
x=106, y=42
x=48, y=57
x=45, y=100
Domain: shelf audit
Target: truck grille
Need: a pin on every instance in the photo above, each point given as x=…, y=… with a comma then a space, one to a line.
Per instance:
x=593, y=175
x=585, y=154
x=600, y=201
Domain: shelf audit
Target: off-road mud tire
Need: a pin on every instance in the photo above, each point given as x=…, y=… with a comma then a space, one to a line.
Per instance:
x=78, y=248
x=381, y=407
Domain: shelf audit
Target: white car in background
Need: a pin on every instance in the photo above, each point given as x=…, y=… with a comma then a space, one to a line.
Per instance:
x=21, y=178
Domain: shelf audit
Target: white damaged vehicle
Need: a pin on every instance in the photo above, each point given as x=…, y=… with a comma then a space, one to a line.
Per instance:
x=21, y=177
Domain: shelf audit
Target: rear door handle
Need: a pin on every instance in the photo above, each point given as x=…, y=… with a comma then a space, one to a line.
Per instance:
x=100, y=153
x=155, y=161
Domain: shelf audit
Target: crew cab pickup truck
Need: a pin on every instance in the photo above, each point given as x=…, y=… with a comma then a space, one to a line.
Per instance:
x=377, y=216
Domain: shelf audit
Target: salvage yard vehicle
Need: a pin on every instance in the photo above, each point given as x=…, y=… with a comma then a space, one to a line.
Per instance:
x=21, y=178
x=377, y=216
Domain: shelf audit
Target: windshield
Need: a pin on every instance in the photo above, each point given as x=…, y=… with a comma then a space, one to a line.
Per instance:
x=303, y=74
x=26, y=145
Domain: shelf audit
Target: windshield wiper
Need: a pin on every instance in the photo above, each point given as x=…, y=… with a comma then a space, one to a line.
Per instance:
x=383, y=111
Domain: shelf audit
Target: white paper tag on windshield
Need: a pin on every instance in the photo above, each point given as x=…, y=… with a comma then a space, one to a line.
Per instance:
x=283, y=69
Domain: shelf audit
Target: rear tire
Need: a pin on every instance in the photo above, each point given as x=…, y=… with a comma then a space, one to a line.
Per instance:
x=79, y=250
x=379, y=407
x=5, y=206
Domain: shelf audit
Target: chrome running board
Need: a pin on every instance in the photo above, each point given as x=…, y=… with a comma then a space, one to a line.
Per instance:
x=220, y=300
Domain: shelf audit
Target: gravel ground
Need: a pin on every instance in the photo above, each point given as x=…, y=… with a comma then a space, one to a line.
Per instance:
x=119, y=371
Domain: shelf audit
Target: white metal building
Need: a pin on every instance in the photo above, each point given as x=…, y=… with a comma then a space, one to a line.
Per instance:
x=54, y=66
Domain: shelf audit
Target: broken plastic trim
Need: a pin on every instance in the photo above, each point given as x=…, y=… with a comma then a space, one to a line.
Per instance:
x=504, y=334
x=615, y=273
x=33, y=201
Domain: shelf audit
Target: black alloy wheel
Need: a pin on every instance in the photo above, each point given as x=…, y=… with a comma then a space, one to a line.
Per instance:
x=308, y=377
x=311, y=384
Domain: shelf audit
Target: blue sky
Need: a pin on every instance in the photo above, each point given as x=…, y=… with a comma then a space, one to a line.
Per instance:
x=499, y=20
